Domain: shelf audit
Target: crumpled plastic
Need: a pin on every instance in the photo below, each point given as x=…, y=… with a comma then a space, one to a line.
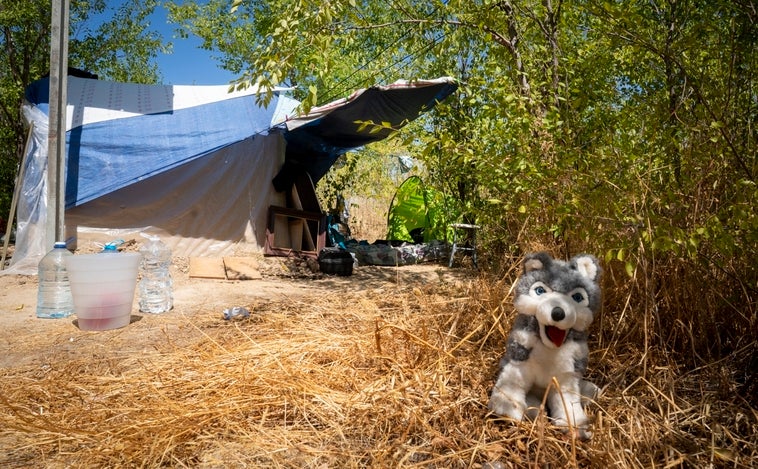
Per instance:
x=236, y=311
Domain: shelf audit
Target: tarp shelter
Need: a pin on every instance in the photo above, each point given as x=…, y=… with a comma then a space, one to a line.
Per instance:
x=192, y=164
x=418, y=213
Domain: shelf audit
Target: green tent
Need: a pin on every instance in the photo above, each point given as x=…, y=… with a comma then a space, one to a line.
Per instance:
x=416, y=213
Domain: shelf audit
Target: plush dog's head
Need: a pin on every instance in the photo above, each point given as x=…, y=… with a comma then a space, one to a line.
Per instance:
x=561, y=295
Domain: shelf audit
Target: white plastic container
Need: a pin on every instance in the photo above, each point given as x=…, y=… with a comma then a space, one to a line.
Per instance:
x=103, y=288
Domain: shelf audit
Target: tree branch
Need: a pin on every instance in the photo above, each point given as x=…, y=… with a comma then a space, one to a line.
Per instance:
x=510, y=44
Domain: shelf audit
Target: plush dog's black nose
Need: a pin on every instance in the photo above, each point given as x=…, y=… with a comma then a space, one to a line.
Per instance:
x=557, y=313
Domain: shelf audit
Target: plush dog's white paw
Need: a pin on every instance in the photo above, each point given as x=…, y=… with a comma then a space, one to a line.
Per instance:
x=581, y=431
x=505, y=406
x=589, y=391
x=583, y=434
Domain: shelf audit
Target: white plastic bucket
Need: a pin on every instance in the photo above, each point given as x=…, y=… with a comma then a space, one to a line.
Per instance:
x=103, y=287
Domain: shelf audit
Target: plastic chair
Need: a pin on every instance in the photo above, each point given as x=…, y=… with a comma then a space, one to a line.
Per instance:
x=469, y=239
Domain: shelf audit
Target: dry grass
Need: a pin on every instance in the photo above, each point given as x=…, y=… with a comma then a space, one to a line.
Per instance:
x=384, y=378
x=368, y=217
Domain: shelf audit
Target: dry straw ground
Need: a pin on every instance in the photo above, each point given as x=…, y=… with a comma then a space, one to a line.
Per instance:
x=382, y=369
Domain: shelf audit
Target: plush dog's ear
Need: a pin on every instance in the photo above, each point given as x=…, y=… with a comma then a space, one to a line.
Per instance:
x=586, y=265
x=536, y=261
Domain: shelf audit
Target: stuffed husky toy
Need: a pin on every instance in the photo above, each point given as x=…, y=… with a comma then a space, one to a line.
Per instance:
x=556, y=302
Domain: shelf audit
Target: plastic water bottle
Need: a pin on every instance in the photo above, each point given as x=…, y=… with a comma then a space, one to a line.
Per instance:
x=155, y=285
x=54, y=299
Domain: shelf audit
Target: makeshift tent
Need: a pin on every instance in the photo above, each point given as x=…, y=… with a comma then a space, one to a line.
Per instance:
x=418, y=213
x=192, y=164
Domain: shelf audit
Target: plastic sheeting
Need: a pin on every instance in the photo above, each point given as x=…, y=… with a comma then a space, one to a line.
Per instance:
x=192, y=171
x=208, y=206
x=32, y=201
x=212, y=206
x=122, y=133
x=92, y=100
x=194, y=165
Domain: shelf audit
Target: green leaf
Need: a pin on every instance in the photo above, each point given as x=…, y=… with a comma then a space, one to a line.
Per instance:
x=629, y=267
x=620, y=254
x=609, y=256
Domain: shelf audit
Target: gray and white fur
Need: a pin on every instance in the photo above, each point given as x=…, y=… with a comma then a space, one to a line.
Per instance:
x=556, y=302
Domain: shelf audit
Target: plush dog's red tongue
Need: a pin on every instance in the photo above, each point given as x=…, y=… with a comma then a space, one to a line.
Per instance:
x=556, y=335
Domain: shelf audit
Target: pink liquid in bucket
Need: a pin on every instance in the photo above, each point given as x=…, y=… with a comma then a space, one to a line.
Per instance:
x=103, y=287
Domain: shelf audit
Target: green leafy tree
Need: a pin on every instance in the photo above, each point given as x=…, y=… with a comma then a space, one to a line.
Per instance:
x=621, y=128
x=121, y=48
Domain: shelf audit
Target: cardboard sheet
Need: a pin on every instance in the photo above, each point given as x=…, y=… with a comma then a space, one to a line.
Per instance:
x=242, y=268
x=207, y=267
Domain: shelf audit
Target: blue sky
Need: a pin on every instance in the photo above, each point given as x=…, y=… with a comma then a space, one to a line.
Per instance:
x=188, y=64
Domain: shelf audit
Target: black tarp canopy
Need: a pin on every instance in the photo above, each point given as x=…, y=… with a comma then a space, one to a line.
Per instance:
x=315, y=141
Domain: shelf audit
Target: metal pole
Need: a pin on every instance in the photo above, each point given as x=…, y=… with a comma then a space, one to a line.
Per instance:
x=55, y=229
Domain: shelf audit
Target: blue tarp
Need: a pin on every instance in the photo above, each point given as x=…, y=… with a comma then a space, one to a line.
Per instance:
x=130, y=145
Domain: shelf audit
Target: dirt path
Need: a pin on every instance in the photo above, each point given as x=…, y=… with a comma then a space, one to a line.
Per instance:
x=27, y=339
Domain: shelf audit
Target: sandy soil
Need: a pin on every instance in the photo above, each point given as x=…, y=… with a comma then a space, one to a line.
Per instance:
x=26, y=338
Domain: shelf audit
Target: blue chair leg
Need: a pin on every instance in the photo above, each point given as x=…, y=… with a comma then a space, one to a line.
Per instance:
x=473, y=249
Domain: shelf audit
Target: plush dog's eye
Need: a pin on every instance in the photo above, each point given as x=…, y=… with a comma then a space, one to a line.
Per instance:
x=579, y=295
x=538, y=289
